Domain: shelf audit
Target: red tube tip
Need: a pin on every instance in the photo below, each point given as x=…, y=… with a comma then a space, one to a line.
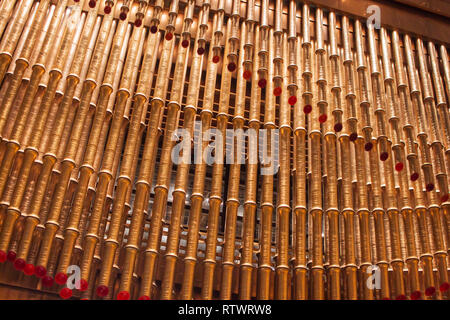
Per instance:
x=262, y=83
x=138, y=23
x=414, y=176
x=247, y=75
x=444, y=198
x=292, y=100
x=338, y=127
x=153, y=29
x=102, y=291
x=29, y=269
x=11, y=256
x=444, y=287
x=307, y=109
x=107, y=9
x=122, y=16
x=65, y=293
x=384, y=156
x=368, y=146
x=323, y=118
x=430, y=187
x=215, y=59
x=201, y=51
x=92, y=3
x=83, y=285
x=353, y=136
x=277, y=91
x=19, y=264
x=61, y=278
x=430, y=291
x=185, y=43
x=144, y=298
x=169, y=36
x=47, y=281
x=123, y=295
x=416, y=295
x=401, y=297
x=3, y=256
x=399, y=166
x=40, y=271
x=231, y=66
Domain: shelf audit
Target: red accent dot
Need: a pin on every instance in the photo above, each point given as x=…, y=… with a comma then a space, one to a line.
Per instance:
x=444, y=287
x=92, y=3
x=262, y=83
x=430, y=187
x=61, y=278
x=11, y=256
x=247, y=75
x=102, y=291
x=231, y=66
x=414, y=176
x=83, y=285
x=76, y=0
x=123, y=295
x=29, y=269
x=384, y=156
x=430, y=291
x=416, y=295
x=153, y=29
x=185, y=43
x=338, y=127
x=368, y=146
x=2, y=256
x=19, y=264
x=277, y=91
x=40, y=271
x=307, y=109
x=444, y=198
x=169, y=36
x=292, y=100
x=107, y=9
x=122, y=16
x=144, y=298
x=137, y=23
x=65, y=293
x=353, y=136
x=401, y=297
x=47, y=281
x=399, y=166
x=201, y=51
x=215, y=59
x=387, y=298
x=323, y=118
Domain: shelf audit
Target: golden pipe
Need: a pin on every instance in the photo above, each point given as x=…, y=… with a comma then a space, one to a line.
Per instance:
x=8, y=44
x=31, y=151
x=141, y=98
x=265, y=267
x=233, y=36
x=5, y=14
x=246, y=267
x=165, y=168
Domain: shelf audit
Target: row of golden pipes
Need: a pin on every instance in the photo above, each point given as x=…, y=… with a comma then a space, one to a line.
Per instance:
x=363, y=142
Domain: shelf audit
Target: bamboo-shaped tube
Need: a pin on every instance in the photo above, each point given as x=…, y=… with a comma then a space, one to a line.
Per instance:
x=126, y=165
x=21, y=65
x=218, y=32
x=251, y=186
x=278, y=49
x=19, y=126
x=181, y=179
x=265, y=267
x=249, y=38
x=215, y=199
x=147, y=163
x=440, y=252
x=399, y=156
x=263, y=53
x=377, y=204
x=283, y=190
x=158, y=6
x=166, y=163
x=420, y=210
x=141, y=98
x=332, y=210
x=5, y=13
x=233, y=36
x=386, y=157
x=203, y=26
x=235, y=159
x=13, y=32
x=32, y=151
x=59, y=125
x=87, y=167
